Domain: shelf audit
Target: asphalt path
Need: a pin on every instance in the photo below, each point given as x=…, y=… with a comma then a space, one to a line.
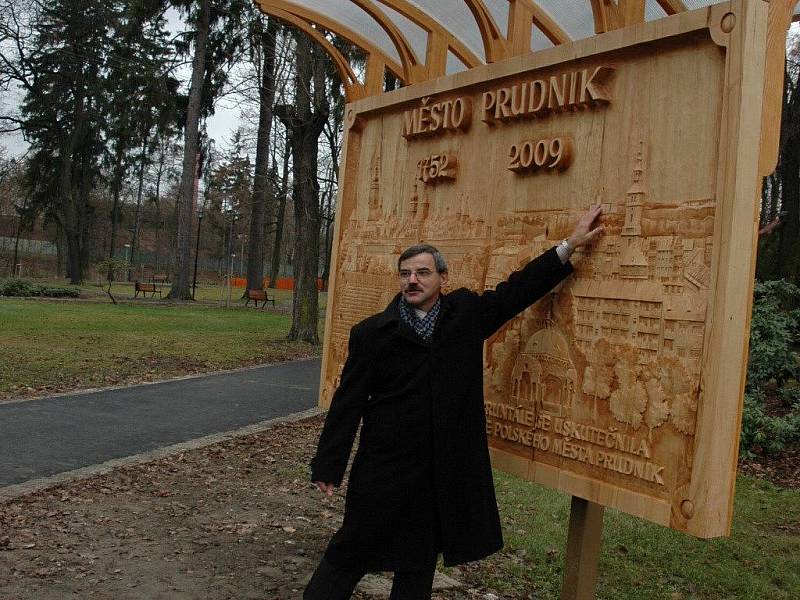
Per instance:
x=47, y=436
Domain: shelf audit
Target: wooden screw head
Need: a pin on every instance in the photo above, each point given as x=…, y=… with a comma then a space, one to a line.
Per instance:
x=728, y=22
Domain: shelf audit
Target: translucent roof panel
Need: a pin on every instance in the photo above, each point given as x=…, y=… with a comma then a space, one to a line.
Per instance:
x=574, y=16
x=499, y=11
x=355, y=18
x=653, y=11
x=415, y=35
x=539, y=41
x=455, y=16
x=454, y=65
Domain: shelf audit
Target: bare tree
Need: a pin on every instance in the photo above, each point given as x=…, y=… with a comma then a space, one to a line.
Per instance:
x=262, y=198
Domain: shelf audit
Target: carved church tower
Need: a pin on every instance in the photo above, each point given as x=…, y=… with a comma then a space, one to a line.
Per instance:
x=633, y=263
x=634, y=200
x=374, y=198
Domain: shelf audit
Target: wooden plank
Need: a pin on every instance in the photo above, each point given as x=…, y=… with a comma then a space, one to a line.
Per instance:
x=436, y=54
x=780, y=17
x=375, y=75
x=520, y=26
x=710, y=492
x=584, y=540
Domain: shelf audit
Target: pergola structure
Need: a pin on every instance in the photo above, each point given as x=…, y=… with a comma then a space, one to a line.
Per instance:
x=418, y=40
x=517, y=115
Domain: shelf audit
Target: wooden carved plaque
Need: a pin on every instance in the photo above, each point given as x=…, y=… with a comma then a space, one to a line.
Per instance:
x=624, y=385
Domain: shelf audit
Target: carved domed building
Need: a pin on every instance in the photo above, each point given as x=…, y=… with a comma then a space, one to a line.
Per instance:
x=544, y=377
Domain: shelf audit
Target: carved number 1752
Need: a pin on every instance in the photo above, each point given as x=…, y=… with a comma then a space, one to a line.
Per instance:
x=436, y=167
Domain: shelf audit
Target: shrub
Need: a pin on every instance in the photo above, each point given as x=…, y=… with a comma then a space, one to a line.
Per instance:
x=53, y=291
x=19, y=288
x=23, y=288
x=771, y=417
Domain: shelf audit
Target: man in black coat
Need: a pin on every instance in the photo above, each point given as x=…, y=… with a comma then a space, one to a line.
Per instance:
x=421, y=481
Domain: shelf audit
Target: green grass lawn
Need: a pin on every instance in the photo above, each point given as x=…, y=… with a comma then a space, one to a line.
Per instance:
x=48, y=346
x=760, y=560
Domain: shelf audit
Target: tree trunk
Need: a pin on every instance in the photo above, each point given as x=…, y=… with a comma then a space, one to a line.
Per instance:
x=69, y=197
x=181, y=286
x=262, y=197
x=305, y=126
x=16, y=248
x=159, y=174
x=305, y=190
x=116, y=186
x=137, y=215
x=276, y=246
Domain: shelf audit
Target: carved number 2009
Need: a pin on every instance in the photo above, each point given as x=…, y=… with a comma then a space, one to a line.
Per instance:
x=542, y=154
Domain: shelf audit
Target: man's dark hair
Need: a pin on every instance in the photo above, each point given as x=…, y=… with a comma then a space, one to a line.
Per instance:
x=438, y=259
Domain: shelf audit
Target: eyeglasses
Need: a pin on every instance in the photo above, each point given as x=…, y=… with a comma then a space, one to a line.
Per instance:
x=420, y=274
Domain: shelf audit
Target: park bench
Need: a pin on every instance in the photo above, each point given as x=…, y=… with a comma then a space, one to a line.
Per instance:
x=159, y=278
x=146, y=288
x=259, y=296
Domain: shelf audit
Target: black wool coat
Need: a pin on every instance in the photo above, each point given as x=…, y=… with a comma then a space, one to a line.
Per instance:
x=421, y=481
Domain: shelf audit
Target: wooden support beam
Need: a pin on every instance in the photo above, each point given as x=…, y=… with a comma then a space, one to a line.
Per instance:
x=554, y=32
x=780, y=17
x=436, y=54
x=605, y=15
x=494, y=43
x=375, y=75
x=672, y=7
x=610, y=15
x=583, y=549
x=631, y=12
x=520, y=27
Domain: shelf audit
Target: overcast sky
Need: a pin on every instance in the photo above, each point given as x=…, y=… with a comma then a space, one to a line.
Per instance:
x=220, y=126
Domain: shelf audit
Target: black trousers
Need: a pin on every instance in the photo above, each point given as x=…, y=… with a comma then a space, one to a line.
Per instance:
x=333, y=583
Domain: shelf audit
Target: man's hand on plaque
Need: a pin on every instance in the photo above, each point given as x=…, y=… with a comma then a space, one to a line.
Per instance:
x=587, y=229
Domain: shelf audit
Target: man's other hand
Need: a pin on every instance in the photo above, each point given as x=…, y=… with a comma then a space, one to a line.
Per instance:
x=325, y=488
x=585, y=232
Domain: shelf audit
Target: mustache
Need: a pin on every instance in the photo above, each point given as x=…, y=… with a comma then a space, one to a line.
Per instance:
x=413, y=288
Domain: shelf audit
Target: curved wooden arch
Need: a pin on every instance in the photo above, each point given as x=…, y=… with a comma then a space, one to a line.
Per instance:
x=495, y=45
x=310, y=16
x=353, y=89
x=434, y=29
x=615, y=15
x=413, y=69
x=672, y=7
x=522, y=15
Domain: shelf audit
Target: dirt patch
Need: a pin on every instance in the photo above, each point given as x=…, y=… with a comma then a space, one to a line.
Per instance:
x=782, y=470
x=234, y=520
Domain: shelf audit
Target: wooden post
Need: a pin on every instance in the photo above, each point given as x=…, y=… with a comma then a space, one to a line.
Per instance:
x=583, y=549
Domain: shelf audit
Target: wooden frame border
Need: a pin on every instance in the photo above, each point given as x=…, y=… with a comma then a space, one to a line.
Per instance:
x=741, y=27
